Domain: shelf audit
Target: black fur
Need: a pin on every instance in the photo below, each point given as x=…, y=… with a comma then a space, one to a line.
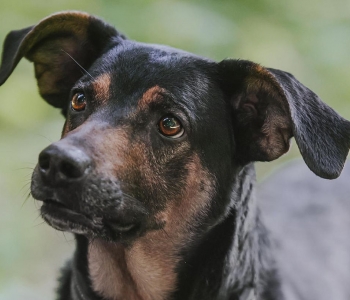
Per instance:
x=234, y=113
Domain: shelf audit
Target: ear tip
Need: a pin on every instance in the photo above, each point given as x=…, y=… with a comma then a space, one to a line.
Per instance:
x=10, y=53
x=328, y=169
x=330, y=175
x=325, y=147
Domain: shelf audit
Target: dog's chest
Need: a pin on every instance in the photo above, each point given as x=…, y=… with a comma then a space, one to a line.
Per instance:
x=136, y=273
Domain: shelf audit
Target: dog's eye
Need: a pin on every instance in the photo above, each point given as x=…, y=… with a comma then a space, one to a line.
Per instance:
x=171, y=127
x=78, y=102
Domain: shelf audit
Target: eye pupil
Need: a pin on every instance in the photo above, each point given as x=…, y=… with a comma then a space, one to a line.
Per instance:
x=170, y=123
x=170, y=126
x=80, y=98
x=78, y=102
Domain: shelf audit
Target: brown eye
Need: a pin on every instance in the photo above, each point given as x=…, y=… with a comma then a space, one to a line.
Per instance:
x=171, y=127
x=78, y=102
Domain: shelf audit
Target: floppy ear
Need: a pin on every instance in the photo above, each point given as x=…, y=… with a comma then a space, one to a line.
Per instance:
x=270, y=106
x=52, y=45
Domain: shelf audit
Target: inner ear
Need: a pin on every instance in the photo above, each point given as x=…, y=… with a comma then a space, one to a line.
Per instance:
x=262, y=122
x=57, y=68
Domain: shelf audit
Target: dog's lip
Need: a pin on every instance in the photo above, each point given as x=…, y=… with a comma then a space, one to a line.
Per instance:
x=116, y=226
x=62, y=218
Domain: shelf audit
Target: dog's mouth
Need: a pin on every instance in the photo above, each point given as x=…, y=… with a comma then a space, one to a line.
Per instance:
x=63, y=218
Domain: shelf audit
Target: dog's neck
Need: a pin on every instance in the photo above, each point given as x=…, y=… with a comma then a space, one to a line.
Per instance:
x=231, y=257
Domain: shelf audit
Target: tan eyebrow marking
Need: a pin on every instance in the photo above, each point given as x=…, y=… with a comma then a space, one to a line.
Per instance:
x=153, y=94
x=101, y=87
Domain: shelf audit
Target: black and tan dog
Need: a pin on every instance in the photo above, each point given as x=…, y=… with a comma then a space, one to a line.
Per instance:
x=154, y=171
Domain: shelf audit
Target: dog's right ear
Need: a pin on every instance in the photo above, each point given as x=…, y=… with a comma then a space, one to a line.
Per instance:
x=53, y=45
x=270, y=106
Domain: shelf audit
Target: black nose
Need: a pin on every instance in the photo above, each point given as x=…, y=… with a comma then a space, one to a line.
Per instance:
x=63, y=164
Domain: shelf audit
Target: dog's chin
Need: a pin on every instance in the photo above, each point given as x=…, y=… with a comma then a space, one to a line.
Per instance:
x=62, y=218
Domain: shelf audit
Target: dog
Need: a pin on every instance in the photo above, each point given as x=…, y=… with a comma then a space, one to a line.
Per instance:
x=154, y=173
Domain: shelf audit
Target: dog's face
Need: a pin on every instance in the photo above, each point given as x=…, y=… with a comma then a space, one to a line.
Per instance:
x=155, y=137
x=136, y=148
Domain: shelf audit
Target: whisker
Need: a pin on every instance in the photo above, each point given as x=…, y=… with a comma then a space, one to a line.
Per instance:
x=24, y=168
x=65, y=237
x=41, y=223
x=28, y=163
x=45, y=137
x=36, y=204
x=25, y=186
x=26, y=199
x=79, y=65
x=38, y=216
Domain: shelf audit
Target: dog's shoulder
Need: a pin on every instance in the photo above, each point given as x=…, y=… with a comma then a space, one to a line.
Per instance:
x=309, y=221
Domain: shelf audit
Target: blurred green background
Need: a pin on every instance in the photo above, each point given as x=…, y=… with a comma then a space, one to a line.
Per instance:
x=310, y=39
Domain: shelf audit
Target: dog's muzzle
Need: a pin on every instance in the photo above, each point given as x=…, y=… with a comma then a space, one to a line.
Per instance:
x=79, y=200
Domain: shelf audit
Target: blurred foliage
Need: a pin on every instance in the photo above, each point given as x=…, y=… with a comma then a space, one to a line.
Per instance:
x=307, y=38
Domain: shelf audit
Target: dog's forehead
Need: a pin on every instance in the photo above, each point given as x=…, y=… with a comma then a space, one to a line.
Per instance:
x=136, y=67
x=154, y=54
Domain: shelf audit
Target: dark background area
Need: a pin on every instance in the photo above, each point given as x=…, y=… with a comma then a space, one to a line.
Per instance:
x=310, y=39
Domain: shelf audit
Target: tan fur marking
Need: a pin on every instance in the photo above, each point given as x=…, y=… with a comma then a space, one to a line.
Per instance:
x=147, y=270
x=151, y=95
x=109, y=272
x=101, y=86
x=193, y=202
x=154, y=257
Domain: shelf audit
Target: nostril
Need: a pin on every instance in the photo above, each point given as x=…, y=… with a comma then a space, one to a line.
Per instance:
x=44, y=161
x=71, y=169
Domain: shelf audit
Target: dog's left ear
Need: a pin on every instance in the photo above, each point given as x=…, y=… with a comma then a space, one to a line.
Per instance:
x=61, y=46
x=270, y=106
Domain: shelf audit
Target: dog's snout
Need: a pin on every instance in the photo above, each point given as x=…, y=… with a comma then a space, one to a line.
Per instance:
x=63, y=163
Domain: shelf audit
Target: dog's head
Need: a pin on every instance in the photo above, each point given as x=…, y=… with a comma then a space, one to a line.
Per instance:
x=155, y=137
